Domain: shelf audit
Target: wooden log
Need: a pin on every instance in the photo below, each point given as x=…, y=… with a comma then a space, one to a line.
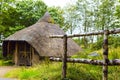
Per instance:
x=64, y=57
x=88, y=61
x=16, y=53
x=8, y=48
x=30, y=55
x=56, y=36
x=105, y=55
x=25, y=54
x=114, y=31
x=33, y=55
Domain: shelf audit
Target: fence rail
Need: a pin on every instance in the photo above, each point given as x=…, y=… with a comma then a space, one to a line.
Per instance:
x=88, y=61
x=113, y=31
x=105, y=62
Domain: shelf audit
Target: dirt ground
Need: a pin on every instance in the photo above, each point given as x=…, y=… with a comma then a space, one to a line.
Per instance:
x=4, y=70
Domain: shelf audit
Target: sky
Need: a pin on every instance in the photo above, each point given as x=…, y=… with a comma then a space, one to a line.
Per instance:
x=60, y=3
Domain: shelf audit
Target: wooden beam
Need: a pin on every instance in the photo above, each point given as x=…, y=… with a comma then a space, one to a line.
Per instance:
x=33, y=55
x=56, y=36
x=64, y=58
x=114, y=31
x=105, y=55
x=25, y=54
x=88, y=61
x=8, y=47
x=30, y=55
x=16, y=53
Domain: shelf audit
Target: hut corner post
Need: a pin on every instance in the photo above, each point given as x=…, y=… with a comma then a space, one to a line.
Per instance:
x=64, y=57
x=105, y=55
x=16, y=54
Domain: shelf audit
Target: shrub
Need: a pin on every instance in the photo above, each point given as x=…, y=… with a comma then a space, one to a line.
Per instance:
x=1, y=57
x=113, y=41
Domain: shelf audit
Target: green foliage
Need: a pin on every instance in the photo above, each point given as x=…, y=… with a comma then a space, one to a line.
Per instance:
x=38, y=72
x=97, y=45
x=29, y=12
x=79, y=41
x=19, y=13
x=53, y=72
x=83, y=54
x=106, y=14
x=86, y=15
x=23, y=13
x=113, y=41
x=56, y=14
x=82, y=42
x=1, y=57
x=86, y=53
x=118, y=11
x=12, y=30
x=7, y=12
x=5, y=62
x=71, y=18
x=114, y=53
x=2, y=28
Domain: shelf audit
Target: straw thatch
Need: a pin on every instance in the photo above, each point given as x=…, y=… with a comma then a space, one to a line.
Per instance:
x=38, y=34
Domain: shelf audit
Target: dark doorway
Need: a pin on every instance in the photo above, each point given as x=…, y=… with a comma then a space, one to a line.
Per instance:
x=24, y=54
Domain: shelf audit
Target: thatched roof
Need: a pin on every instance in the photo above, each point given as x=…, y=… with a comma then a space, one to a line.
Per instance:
x=38, y=34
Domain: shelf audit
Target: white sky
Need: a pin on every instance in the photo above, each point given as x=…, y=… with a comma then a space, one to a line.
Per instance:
x=60, y=3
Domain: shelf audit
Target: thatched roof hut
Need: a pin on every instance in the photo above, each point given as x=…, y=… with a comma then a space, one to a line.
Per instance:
x=35, y=40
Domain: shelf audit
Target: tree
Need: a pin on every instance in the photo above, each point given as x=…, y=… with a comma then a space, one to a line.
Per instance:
x=117, y=15
x=29, y=11
x=24, y=13
x=70, y=17
x=5, y=14
x=92, y=15
x=19, y=12
x=57, y=14
x=105, y=14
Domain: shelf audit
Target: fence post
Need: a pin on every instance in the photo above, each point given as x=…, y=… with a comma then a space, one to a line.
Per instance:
x=64, y=57
x=105, y=55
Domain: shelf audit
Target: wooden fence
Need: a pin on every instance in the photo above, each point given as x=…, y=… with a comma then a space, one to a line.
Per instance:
x=105, y=62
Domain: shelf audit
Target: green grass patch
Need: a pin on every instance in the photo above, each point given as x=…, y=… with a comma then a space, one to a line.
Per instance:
x=44, y=71
x=114, y=53
x=52, y=71
x=1, y=57
x=6, y=62
x=75, y=71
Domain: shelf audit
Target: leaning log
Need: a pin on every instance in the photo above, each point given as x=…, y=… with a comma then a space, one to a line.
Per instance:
x=88, y=61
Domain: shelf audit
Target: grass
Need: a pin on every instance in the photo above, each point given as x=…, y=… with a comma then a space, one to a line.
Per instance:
x=52, y=70
x=114, y=53
x=44, y=71
x=5, y=62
